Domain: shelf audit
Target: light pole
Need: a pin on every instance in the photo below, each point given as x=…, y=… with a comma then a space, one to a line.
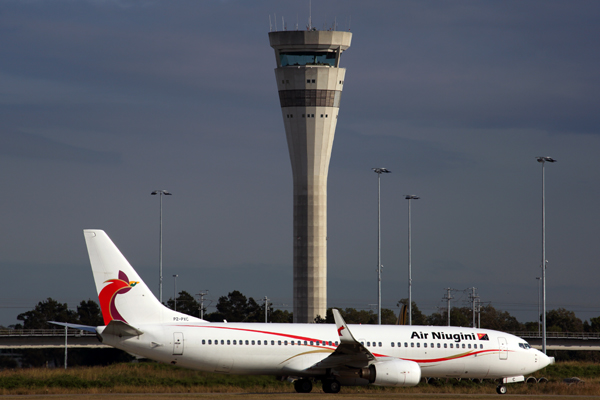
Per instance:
x=543, y=160
x=410, y=197
x=379, y=171
x=160, y=275
x=539, y=279
x=175, y=291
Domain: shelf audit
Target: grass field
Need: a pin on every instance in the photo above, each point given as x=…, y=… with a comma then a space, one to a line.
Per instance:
x=154, y=378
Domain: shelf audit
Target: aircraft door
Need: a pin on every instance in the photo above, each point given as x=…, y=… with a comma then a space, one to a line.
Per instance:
x=503, y=348
x=177, y=343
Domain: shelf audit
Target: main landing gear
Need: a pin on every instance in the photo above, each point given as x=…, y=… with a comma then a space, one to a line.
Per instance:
x=501, y=389
x=303, y=385
x=331, y=386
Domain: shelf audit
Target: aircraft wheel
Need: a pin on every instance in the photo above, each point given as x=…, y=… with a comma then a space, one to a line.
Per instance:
x=501, y=389
x=331, y=386
x=303, y=385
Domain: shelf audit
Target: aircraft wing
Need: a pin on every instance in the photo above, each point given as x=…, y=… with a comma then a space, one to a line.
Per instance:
x=349, y=352
x=76, y=326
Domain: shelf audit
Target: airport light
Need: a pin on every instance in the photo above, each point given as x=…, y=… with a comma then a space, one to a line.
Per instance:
x=410, y=197
x=160, y=275
x=175, y=291
x=379, y=171
x=544, y=160
x=539, y=279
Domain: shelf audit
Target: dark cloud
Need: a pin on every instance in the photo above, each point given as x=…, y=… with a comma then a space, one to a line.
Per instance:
x=26, y=145
x=102, y=102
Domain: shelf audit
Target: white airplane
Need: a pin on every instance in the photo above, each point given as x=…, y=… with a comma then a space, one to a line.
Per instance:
x=340, y=354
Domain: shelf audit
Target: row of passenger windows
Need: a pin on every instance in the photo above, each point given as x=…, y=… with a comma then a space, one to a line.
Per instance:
x=306, y=115
x=330, y=343
x=266, y=342
x=433, y=345
x=307, y=81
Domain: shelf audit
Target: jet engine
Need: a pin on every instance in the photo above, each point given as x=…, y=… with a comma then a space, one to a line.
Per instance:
x=392, y=373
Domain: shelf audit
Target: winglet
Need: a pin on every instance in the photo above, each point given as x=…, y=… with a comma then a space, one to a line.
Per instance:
x=344, y=333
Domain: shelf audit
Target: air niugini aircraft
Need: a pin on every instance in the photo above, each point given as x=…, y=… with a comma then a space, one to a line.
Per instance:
x=385, y=355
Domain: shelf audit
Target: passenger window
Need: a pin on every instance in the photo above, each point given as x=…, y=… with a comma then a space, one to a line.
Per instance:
x=279, y=342
x=451, y=345
x=305, y=342
x=425, y=345
x=258, y=342
x=311, y=342
x=253, y=343
x=246, y=343
x=392, y=344
x=463, y=345
x=438, y=345
x=209, y=341
x=445, y=345
x=216, y=342
x=228, y=342
x=203, y=341
x=380, y=345
x=368, y=344
x=222, y=341
x=412, y=344
x=285, y=343
x=292, y=343
x=469, y=346
x=405, y=344
x=432, y=345
x=418, y=344
x=272, y=343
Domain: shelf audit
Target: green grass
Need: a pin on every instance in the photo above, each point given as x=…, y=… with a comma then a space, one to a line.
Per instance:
x=162, y=378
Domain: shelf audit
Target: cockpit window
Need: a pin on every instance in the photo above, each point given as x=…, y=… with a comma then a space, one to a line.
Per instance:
x=524, y=346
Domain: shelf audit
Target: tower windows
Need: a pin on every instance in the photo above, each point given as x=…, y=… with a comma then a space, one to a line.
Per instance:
x=321, y=115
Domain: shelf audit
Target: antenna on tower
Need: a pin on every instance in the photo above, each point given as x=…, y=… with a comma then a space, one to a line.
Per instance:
x=350, y=23
x=275, y=21
x=296, y=21
x=270, y=26
x=310, y=15
x=283, y=23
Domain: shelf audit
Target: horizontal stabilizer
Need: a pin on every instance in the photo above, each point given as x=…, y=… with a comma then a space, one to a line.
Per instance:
x=76, y=326
x=120, y=329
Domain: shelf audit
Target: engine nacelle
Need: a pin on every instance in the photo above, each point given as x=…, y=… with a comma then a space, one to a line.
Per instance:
x=392, y=373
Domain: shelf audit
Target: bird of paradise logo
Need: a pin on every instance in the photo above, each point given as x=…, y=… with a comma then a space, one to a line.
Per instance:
x=109, y=293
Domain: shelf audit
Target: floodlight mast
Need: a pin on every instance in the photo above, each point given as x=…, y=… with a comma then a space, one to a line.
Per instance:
x=410, y=197
x=544, y=160
x=379, y=171
x=160, y=274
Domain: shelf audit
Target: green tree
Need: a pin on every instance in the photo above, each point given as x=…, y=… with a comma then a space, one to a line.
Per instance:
x=595, y=324
x=417, y=316
x=235, y=307
x=44, y=311
x=186, y=304
x=499, y=320
x=88, y=313
x=562, y=320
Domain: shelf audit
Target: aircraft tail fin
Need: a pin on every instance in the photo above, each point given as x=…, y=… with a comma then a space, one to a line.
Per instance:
x=123, y=295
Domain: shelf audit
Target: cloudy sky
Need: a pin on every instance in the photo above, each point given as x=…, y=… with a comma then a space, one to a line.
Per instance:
x=104, y=101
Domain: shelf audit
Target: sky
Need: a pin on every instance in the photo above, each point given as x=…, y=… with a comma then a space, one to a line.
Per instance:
x=104, y=101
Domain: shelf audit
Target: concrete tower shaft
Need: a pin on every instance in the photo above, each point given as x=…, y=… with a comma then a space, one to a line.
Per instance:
x=310, y=82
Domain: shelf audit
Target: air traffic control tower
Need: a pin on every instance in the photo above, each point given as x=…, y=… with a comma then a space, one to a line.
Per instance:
x=310, y=83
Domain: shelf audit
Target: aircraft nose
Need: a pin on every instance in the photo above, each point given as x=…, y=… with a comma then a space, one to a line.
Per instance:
x=545, y=360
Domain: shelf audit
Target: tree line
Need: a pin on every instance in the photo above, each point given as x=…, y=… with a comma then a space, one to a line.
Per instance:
x=235, y=307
